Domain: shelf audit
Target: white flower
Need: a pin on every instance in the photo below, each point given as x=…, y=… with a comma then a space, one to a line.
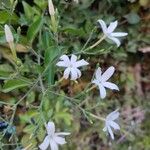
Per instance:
x=53, y=139
x=71, y=66
x=101, y=81
x=8, y=34
x=109, y=123
x=51, y=8
x=109, y=32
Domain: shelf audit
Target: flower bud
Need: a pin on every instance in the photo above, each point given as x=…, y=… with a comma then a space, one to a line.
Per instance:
x=51, y=8
x=8, y=34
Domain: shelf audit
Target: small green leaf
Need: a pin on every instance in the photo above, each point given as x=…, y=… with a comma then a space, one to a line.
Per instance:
x=34, y=29
x=27, y=9
x=15, y=84
x=50, y=55
x=5, y=16
x=4, y=75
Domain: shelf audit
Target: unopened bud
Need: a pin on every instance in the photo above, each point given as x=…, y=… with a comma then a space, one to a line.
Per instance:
x=51, y=8
x=8, y=34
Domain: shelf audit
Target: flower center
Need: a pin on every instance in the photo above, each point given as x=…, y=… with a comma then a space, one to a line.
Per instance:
x=71, y=65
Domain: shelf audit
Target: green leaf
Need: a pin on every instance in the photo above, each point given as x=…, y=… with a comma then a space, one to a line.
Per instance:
x=15, y=84
x=27, y=9
x=133, y=18
x=5, y=16
x=50, y=55
x=4, y=75
x=42, y=3
x=74, y=31
x=34, y=29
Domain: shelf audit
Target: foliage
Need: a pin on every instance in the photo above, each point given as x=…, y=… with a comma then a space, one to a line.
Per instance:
x=32, y=92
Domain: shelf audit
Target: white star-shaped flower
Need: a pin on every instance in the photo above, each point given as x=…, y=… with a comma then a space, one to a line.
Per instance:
x=110, y=123
x=71, y=66
x=109, y=31
x=101, y=81
x=53, y=139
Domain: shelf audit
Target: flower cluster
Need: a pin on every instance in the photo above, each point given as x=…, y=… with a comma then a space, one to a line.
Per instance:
x=72, y=65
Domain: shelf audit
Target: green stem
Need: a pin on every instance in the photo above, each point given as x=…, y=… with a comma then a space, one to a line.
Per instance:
x=95, y=44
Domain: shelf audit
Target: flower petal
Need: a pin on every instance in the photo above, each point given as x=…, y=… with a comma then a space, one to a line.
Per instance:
x=107, y=74
x=78, y=72
x=103, y=26
x=110, y=132
x=62, y=133
x=50, y=127
x=115, y=40
x=45, y=144
x=54, y=145
x=114, y=125
x=98, y=74
x=62, y=64
x=96, y=82
x=118, y=34
x=113, y=115
x=81, y=63
x=112, y=27
x=73, y=58
x=74, y=74
x=59, y=140
x=110, y=85
x=66, y=73
x=65, y=58
x=102, y=91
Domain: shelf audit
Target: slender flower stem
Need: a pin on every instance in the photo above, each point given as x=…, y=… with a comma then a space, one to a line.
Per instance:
x=96, y=117
x=98, y=42
x=54, y=24
x=93, y=87
x=95, y=44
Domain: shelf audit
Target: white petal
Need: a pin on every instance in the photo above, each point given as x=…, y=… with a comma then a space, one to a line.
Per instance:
x=102, y=91
x=74, y=74
x=98, y=74
x=79, y=73
x=110, y=132
x=59, y=140
x=45, y=144
x=81, y=63
x=62, y=64
x=112, y=26
x=73, y=58
x=65, y=58
x=54, y=145
x=50, y=127
x=107, y=74
x=118, y=34
x=113, y=115
x=115, y=40
x=103, y=26
x=110, y=85
x=66, y=73
x=96, y=82
x=114, y=125
x=62, y=133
